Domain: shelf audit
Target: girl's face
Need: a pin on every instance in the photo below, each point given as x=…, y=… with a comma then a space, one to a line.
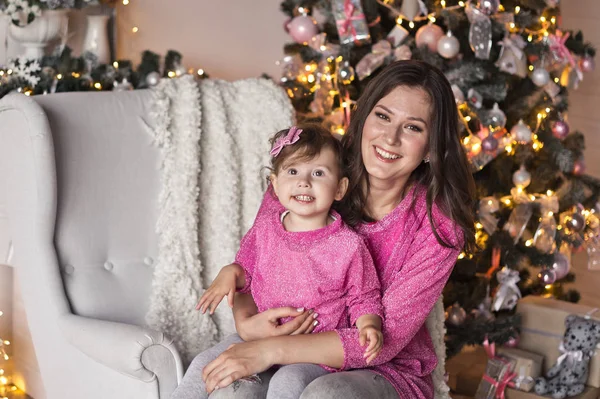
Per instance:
x=395, y=136
x=308, y=188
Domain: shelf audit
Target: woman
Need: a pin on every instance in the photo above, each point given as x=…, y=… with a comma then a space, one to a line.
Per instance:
x=414, y=208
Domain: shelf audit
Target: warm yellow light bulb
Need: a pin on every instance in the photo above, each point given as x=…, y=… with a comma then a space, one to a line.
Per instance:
x=98, y=85
x=468, y=118
x=478, y=225
x=507, y=201
x=125, y=2
x=411, y=24
x=461, y=3
x=542, y=19
x=399, y=21
x=461, y=255
x=6, y=342
x=529, y=38
x=517, y=9
x=528, y=243
x=508, y=149
x=59, y=76
x=548, y=109
x=432, y=18
x=553, y=20
x=512, y=25
x=116, y=64
x=549, y=193
x=531, y=67
x=443, y=3
x=135, y=29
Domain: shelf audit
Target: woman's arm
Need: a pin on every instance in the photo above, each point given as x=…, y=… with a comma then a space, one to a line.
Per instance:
x=252, y=325
x=248, y=358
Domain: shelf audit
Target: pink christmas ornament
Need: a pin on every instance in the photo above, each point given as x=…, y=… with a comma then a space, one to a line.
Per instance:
x=560, y=129
x=587, y=64
x=302, y=28
x=579, y=167
x=429, y=35
x=560, y=265
x=547, y=276
x=512, y=342
x=489, y=144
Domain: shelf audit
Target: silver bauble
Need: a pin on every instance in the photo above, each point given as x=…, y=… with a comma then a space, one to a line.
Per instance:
x=448, y=46
x=152, y=78
x=521, y=132
x=575, y=222
x=560, y=265
x=547, y=276
x=521, y=178
x=346, y=73
x=540, y=77
x=497, y=118
x=456, y=315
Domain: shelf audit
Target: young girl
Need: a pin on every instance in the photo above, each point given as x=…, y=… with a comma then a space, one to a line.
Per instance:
x=304, y=257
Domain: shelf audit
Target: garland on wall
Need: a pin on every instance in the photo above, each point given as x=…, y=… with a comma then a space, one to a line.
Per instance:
x=65, y=72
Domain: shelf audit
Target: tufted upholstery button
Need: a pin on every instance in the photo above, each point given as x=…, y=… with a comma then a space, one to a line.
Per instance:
x=108, y=266
x=149, y=261
x=68, y=269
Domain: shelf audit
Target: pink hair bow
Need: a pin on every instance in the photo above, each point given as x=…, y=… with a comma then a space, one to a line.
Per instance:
x=289, y=139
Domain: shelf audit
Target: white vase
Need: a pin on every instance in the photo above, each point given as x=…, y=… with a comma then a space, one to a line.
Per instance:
x=35, y=36
x=96, y=38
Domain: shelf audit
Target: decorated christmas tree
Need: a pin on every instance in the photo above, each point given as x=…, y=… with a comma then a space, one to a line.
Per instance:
x=511, y=67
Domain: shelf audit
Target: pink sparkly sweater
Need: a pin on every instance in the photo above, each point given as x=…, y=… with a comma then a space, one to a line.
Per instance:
x=329, y=270
x=413, y=268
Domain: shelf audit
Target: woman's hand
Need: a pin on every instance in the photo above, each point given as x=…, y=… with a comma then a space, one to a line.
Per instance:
x=265, y=324
x=238, y=361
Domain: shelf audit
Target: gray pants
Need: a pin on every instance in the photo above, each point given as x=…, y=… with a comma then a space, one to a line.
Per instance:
x=282, y=383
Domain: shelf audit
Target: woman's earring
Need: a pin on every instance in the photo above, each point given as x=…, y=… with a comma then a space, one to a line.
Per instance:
x=426, y=160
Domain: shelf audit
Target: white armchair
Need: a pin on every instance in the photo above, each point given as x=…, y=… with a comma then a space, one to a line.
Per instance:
x=79, y=181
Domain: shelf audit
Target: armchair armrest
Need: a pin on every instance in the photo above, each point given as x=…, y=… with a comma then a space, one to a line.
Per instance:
x=138, y=352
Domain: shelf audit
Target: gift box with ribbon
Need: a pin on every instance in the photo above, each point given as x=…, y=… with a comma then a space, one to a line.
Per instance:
x=351, y=23
x=498, y=375
x=588, y=393
x=527, y=366
x=543, y=328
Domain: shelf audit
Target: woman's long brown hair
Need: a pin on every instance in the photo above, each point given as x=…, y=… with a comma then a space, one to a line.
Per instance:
x=447, y=176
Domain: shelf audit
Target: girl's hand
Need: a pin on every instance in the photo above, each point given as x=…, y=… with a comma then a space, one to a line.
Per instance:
x=238, y=361
x=265, y=324
x=374, y=337
x=224, y=285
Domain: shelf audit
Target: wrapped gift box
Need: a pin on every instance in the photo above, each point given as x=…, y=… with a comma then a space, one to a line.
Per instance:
x=497, y=375
x=527, y=366
x=543, y=327
x=589, y=393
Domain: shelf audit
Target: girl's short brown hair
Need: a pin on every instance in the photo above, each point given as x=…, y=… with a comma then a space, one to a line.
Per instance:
x=313, y=139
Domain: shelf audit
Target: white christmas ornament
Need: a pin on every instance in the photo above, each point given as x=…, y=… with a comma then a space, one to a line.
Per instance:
x=448, y=46
x=497, y=117
x=521, y=178
x=540, y=76
x=521, y=132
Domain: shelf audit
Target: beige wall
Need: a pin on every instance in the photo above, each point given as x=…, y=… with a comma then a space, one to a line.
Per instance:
x=584, y=105
x=230, y=39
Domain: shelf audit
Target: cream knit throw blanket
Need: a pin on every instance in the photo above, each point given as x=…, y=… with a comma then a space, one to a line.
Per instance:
x=214, y=143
